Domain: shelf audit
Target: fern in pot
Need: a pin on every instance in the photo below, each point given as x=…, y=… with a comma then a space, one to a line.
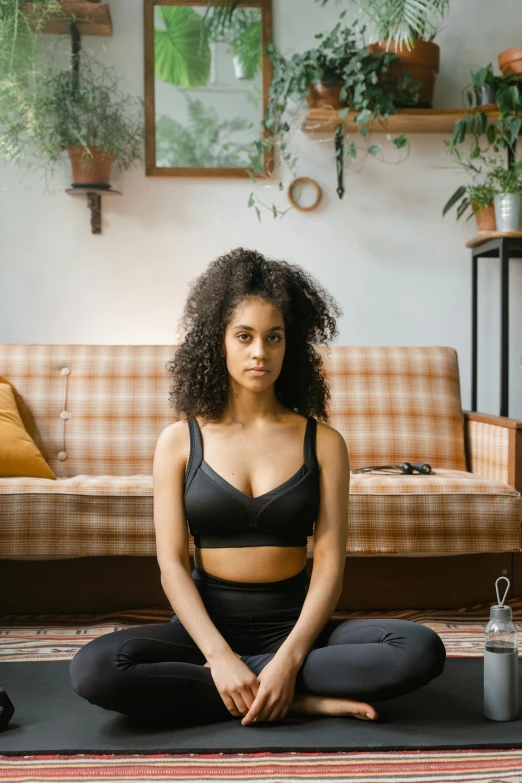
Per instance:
x=407, y=27
x=85, y=114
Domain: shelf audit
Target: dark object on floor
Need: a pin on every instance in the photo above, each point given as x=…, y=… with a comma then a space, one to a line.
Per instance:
x=6, y=709
x=447, y=713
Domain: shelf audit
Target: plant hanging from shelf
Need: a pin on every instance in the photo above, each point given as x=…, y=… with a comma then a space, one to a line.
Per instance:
x=338, y=63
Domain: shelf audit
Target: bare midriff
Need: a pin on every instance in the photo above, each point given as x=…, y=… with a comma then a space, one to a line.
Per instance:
x=251, y=563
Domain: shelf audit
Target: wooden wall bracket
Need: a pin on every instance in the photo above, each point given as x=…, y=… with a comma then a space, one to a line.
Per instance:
x=93, y=203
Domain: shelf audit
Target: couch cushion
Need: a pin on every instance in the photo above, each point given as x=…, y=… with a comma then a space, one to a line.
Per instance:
x=100, y=407
x=397, y=403
x=103, y=407
x=450, y=512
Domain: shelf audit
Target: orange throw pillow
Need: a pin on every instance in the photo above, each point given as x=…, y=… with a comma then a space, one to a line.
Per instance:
x=19, y=454
x=25, y=413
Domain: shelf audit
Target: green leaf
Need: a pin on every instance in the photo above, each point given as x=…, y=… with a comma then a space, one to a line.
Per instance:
x=462, y=207
x=401, y=141
x=482, y=122
x=181, y=53
x=453, y=200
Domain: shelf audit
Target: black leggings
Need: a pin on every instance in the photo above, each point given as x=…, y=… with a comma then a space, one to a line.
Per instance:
x=156, y=671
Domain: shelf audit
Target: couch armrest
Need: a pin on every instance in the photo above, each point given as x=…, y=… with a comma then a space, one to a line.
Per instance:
x=494, y=447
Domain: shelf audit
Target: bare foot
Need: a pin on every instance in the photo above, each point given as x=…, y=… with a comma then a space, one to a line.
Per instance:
x=311, y=704
x=327, y=705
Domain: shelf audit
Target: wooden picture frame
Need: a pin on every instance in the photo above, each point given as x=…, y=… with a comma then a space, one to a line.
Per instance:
x=151, y=166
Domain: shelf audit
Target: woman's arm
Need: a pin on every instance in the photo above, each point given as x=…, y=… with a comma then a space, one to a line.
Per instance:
x=331, y=531
x=172, y=549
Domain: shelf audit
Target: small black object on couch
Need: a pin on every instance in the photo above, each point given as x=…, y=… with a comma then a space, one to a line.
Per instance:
x=404, y=467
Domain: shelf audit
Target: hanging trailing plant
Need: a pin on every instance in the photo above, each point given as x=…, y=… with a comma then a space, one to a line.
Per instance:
x=340, y=64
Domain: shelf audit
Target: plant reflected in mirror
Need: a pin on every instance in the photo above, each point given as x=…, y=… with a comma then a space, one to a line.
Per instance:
x=207, y=81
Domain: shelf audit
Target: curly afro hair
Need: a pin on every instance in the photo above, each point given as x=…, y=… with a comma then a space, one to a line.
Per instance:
x=199, y=371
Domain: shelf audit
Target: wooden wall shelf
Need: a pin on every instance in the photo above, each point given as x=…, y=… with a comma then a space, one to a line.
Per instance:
x=92, y=17
x=405, y=121
x=94, y=203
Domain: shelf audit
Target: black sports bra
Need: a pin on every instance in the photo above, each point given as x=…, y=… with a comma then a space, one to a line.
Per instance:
x=220, y=515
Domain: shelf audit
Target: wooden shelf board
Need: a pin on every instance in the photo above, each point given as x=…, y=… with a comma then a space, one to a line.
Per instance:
x=485, y=236
x=92, y=17
x=405, y=121
x=101, y=191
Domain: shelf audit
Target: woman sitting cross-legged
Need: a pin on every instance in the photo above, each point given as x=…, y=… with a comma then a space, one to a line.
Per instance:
x=254, y=468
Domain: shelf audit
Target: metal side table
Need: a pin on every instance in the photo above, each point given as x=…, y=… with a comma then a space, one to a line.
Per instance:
x=502, y=245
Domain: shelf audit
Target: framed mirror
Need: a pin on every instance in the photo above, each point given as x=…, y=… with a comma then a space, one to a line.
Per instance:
x=206, y=87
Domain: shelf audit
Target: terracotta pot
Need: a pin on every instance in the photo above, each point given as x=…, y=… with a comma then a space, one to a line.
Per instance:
x=325, y=96
x=422, y=62
x=485, y=217
x=510, y=61
x=87, y=170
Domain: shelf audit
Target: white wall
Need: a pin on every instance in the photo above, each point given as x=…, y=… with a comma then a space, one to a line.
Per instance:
x=400, y=271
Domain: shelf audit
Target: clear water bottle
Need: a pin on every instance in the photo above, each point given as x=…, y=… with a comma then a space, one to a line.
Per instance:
x=501, y=662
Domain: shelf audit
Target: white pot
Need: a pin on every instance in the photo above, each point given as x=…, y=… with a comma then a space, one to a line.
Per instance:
x=239, y=67
x=508, y=211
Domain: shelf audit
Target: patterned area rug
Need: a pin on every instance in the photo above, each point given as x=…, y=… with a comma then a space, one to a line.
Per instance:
x=57, y=638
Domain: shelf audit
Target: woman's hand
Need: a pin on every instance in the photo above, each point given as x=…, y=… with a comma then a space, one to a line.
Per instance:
x=275, y=694
x=236, y=683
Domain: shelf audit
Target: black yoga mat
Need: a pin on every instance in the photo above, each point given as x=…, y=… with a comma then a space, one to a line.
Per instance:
x=446, y=713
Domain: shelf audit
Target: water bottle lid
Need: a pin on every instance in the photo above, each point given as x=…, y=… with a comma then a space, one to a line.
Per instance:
x=499, y=611
x=502, y=613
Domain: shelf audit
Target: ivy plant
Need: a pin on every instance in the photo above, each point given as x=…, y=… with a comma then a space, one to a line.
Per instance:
x=364, y=85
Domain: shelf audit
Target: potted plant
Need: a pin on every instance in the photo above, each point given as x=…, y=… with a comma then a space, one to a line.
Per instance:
x=338, y=74
x=508, y=199
x=85, y=114
x=485, y=86
x=498, y=134
x=478, y=199
x=407, y=28
x=510, y=61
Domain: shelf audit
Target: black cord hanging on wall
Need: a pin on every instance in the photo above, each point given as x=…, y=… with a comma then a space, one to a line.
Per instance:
x=339, y=155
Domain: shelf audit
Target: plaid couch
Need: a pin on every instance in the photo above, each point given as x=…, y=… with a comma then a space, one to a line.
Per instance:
x=99, y=409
